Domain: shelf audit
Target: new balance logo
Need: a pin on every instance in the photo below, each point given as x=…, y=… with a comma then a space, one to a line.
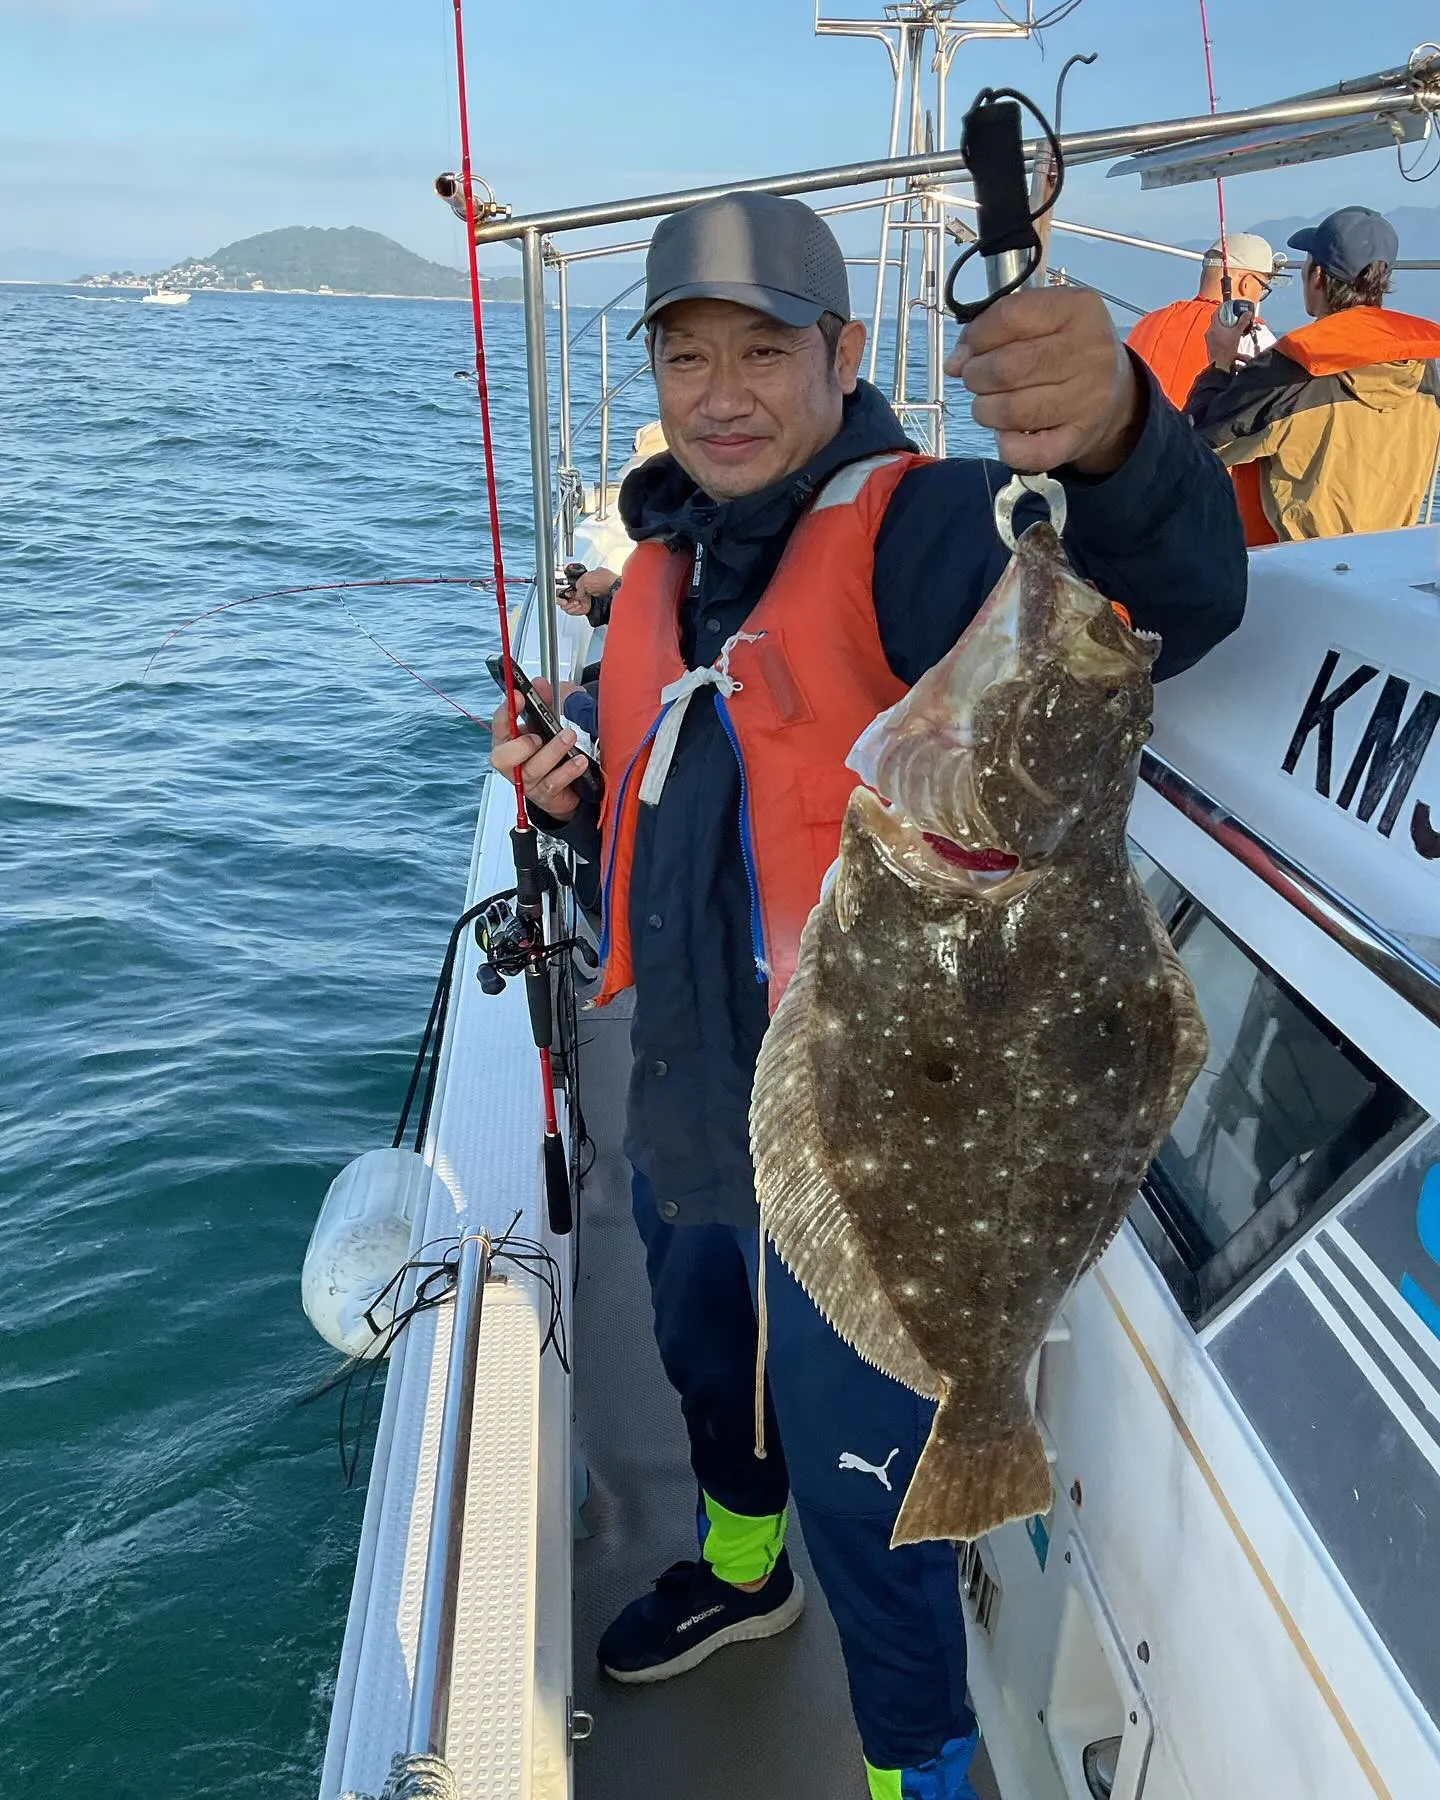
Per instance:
x=849, y=1460
x=709, y=1613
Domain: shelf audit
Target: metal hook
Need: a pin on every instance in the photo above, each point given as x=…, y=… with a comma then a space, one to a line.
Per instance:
x=1086, y=61
x=1045, y=487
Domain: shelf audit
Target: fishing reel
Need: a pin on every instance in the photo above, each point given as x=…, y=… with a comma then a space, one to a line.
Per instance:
x=513, y=940
x=508, y=940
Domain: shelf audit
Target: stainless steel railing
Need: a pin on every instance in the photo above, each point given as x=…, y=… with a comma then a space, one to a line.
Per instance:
x=1379, y=950
x=435, y=1646
x=1393, y=92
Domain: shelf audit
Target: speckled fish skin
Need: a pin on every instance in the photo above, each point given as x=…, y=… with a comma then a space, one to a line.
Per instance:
x=970, y=1071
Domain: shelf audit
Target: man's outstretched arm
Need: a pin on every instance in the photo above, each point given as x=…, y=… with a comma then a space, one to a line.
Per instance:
x=1152, y=515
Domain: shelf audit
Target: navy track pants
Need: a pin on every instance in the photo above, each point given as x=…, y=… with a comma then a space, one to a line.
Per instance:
x=842, y=1438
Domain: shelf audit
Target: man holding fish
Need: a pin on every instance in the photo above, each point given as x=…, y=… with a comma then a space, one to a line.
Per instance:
x=798, y=569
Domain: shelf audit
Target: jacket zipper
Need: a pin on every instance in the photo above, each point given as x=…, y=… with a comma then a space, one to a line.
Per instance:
x=747, y=849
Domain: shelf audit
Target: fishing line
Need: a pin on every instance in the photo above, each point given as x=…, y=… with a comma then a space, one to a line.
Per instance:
x=335, y=588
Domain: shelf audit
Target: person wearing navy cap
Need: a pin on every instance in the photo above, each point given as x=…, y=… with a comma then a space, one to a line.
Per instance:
x=1342, y=417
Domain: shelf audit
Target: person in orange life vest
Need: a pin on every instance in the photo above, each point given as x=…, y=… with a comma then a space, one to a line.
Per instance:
x=1341, y=420
x=797, y=566
x=1173, y=342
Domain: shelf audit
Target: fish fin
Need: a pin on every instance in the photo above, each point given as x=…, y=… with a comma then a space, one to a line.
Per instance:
x=799, y=1203
x=1188, y=1047
x=1191, y=1040
x=962, y=1490
x=845, y=889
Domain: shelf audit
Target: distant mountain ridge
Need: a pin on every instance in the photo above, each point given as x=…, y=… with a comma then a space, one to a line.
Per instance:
x=1148, y=280
x=314, y=259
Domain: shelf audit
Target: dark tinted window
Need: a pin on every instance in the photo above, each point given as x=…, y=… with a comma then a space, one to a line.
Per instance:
x=1274, y=1088
x=1281, y=1120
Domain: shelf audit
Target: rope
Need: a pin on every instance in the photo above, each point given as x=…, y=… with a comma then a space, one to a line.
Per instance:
x=762, y=1345
x=415, y=1778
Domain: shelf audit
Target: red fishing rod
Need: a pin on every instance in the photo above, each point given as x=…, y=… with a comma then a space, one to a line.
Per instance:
x=529, y=882
x=1226, y=292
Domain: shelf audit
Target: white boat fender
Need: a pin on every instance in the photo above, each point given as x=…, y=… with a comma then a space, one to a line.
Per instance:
x=361, y=1240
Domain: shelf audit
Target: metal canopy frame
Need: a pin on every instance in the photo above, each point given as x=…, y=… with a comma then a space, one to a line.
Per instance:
x=1394, y=92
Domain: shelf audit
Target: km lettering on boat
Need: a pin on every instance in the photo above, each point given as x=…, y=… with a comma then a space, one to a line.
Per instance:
x=1389, y=757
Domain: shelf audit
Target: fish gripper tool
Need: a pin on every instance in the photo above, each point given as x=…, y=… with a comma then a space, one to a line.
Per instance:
x=1044, y=487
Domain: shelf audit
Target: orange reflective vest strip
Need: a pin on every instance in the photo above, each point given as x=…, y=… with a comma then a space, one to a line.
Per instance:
x=1172, y=342
x=810, y=674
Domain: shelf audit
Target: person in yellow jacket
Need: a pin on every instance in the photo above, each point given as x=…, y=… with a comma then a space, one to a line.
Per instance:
x=1342, y=417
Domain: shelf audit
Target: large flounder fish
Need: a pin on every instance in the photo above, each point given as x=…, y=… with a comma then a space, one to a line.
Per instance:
x=988, y=1034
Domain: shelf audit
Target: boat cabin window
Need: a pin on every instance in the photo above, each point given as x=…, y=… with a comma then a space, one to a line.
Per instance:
x=1281, y=1121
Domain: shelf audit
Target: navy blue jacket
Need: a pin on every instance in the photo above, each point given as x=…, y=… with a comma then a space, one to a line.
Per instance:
x=1161, y=536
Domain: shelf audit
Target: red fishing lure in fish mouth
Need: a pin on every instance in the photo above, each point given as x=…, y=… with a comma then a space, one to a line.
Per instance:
x=984, y=862
x=979, y=861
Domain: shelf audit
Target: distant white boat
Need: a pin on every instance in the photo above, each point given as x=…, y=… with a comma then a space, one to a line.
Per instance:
x=159, y=296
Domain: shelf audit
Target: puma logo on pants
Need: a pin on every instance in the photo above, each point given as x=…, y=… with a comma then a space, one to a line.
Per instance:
x=849, y=1460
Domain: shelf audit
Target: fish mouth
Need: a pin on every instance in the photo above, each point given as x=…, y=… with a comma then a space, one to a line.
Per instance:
x=935, y=863
x=977, y=861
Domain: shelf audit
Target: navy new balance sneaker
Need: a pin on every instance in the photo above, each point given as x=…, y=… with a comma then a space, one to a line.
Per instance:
x=689, y=1614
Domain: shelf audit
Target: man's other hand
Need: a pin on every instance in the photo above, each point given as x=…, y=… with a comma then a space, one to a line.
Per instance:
x=1052, y=381
x=1222, y=343
x=549, y=771
x=594, y=584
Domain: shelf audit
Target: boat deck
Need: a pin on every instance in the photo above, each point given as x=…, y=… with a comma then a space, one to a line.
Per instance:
x=768, y=1720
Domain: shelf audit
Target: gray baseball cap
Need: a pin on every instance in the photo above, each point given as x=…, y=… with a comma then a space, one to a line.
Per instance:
x=1348, y=242
x=758, y=250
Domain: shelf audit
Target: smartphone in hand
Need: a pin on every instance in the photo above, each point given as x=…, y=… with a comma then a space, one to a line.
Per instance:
x=538, y=719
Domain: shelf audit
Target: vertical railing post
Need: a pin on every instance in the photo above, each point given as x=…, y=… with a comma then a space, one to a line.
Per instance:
x=901, y=66
x=435, y=1644
x=537, y=374
x=604, y=415
x=567, y=447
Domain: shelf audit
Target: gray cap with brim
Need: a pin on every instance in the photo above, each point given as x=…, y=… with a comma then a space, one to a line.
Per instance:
x=773, y=255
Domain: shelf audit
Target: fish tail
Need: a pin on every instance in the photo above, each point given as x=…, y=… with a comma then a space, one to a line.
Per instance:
x=962, y=1489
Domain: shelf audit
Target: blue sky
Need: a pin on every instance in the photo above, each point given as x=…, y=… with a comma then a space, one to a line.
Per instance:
x=144, y=130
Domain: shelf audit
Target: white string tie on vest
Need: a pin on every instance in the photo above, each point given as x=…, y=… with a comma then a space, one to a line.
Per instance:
x=677, y=696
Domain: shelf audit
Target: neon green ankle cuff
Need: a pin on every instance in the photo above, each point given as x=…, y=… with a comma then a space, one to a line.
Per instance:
x=884, y=1783
x=739, y=1548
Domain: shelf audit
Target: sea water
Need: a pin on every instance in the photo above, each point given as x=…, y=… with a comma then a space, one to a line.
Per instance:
x=225, y=888
x=226, y=883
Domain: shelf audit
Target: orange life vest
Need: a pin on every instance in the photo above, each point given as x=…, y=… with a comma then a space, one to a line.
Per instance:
x=1358, y=338
x=794, y=689
x=1172, y=342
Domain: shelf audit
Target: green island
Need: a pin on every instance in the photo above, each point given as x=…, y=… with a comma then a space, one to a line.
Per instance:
x=310, y=259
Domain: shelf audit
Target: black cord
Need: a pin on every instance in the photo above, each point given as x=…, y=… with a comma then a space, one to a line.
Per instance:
x=435, y=1286
x=434, y=1033
x=999, y=227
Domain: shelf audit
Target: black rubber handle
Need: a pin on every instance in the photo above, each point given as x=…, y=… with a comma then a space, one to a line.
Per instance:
x=557, y=1187
x=993, y=145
